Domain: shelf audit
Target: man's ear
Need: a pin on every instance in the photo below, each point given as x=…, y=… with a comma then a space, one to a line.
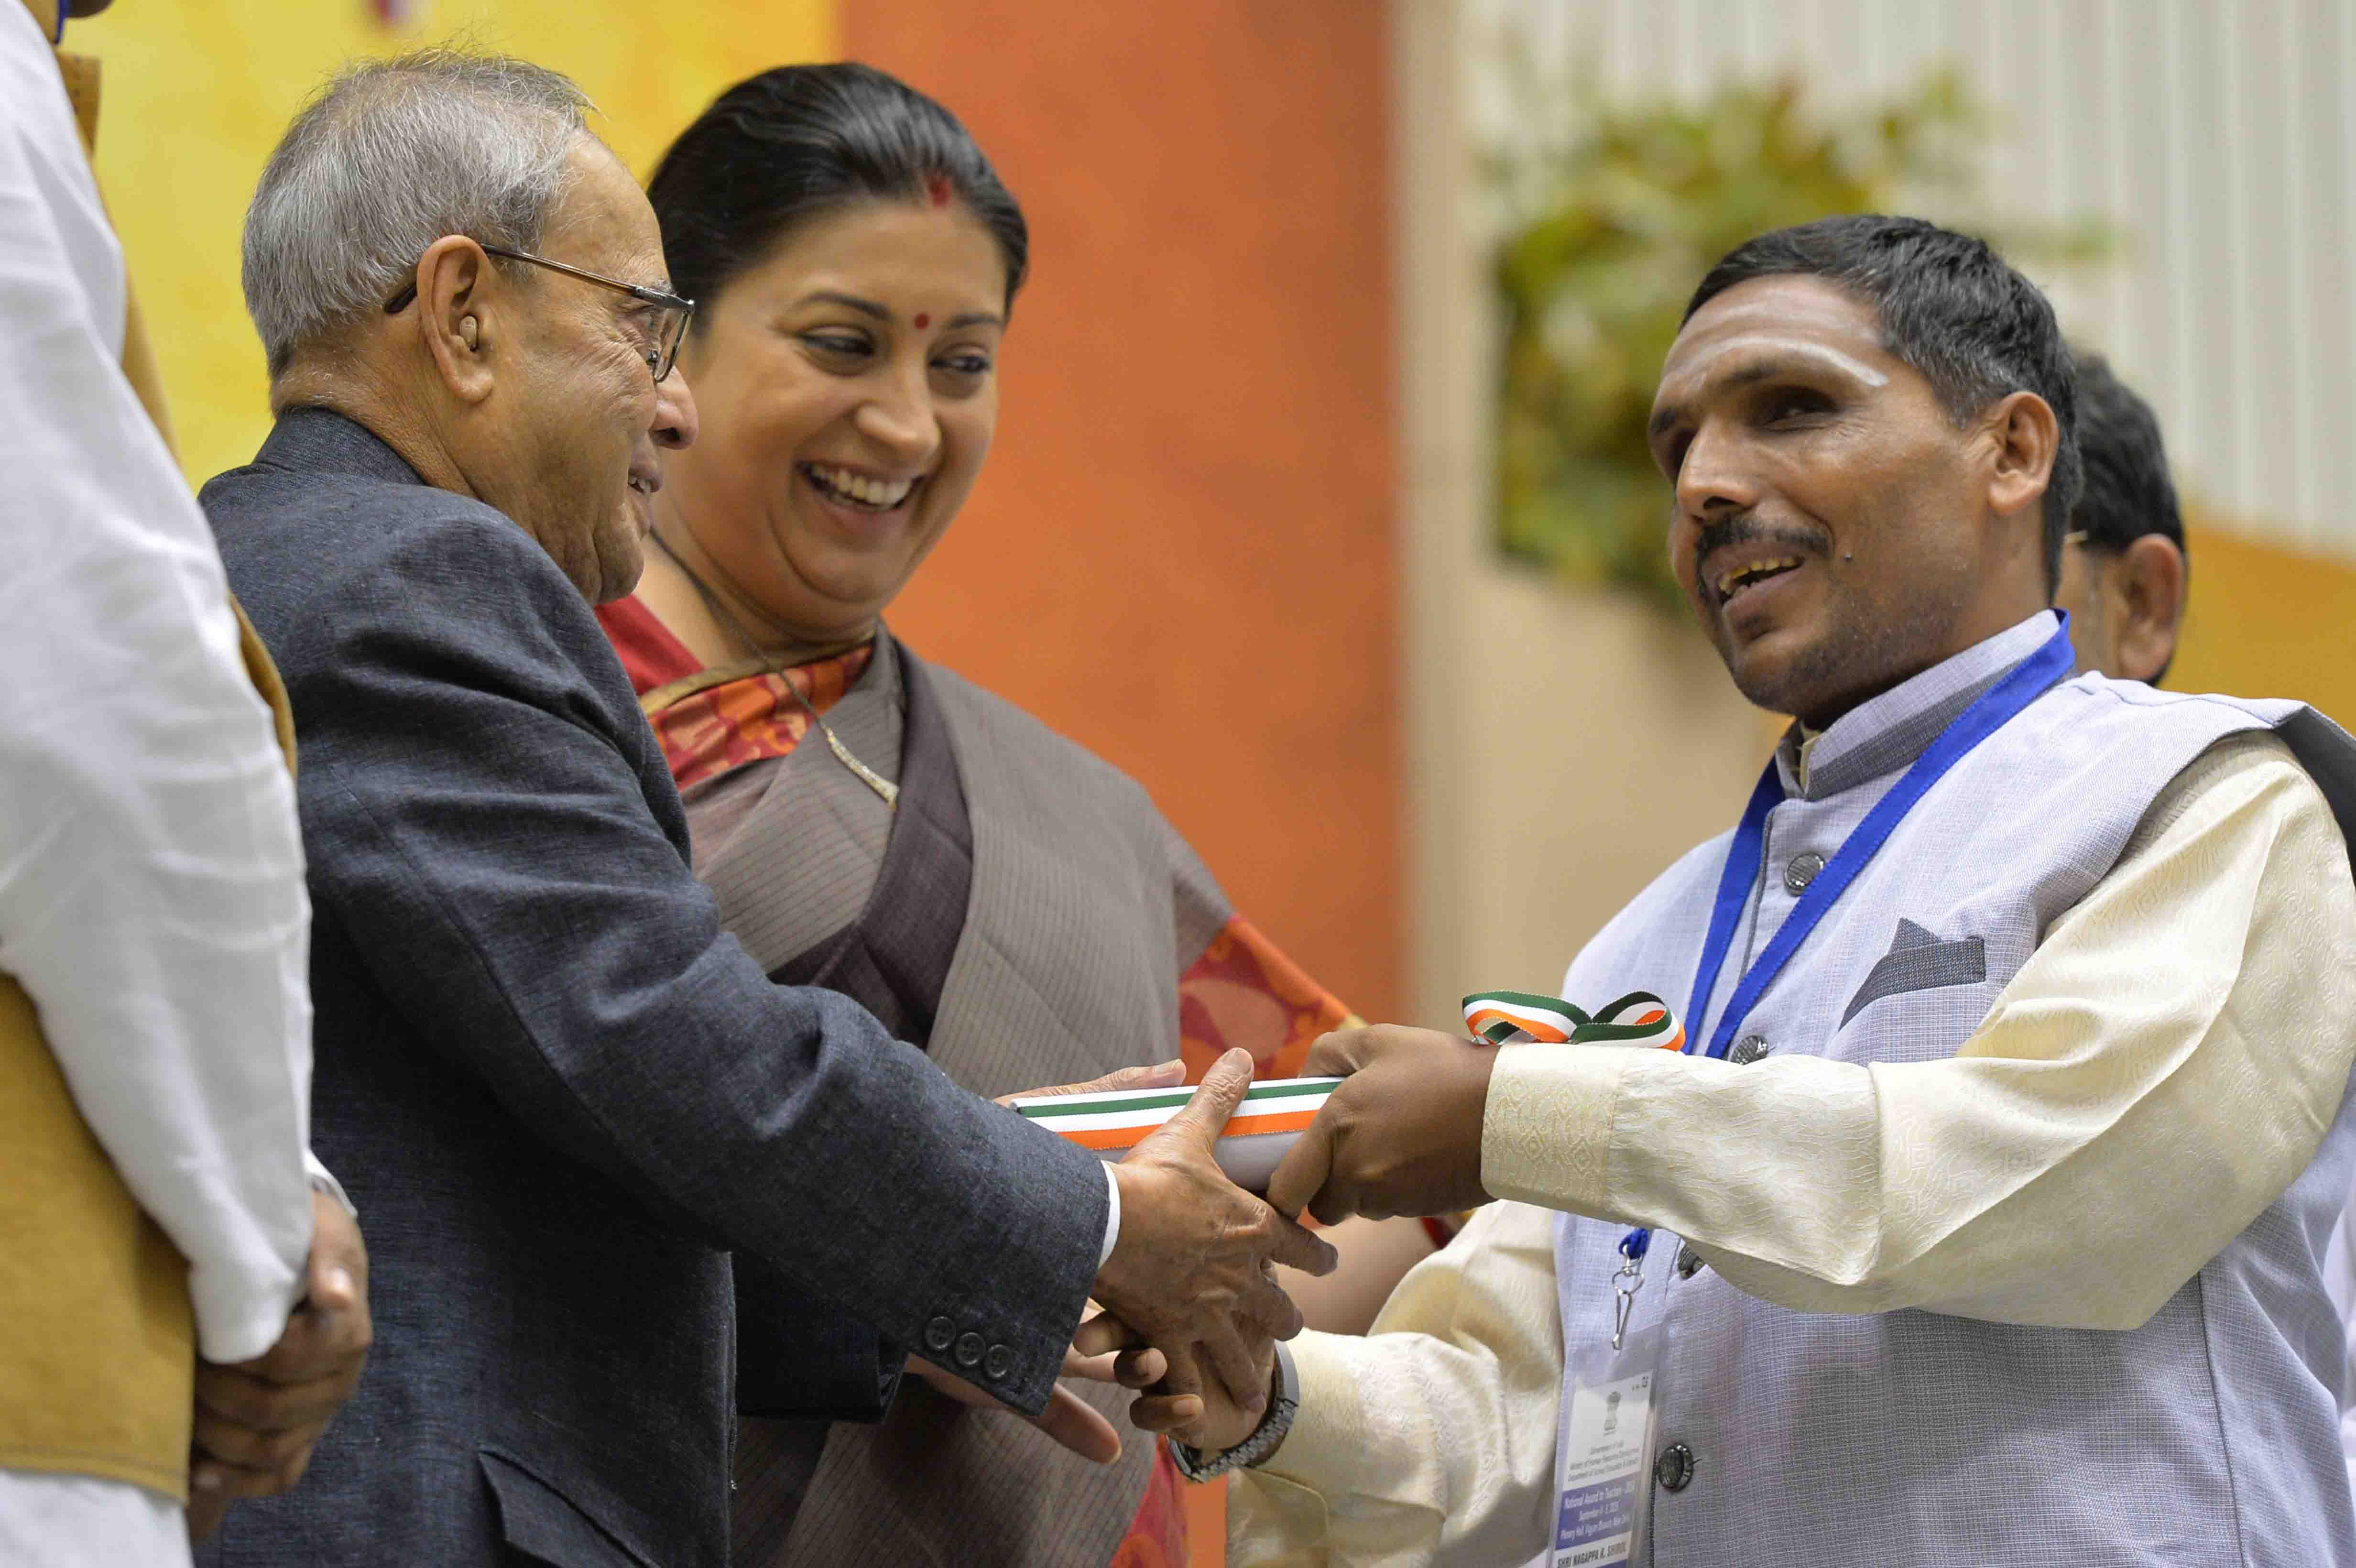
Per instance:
x=457, y=291
x=2146, y=586
x=2026, y=438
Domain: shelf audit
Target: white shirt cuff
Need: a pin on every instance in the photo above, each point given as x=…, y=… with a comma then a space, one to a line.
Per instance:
x=323, y=1181
x=1112, y=1217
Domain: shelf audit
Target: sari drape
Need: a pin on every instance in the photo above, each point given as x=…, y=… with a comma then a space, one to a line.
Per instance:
x=1029, y=919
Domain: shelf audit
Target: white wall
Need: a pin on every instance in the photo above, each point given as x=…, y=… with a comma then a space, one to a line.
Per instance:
x=1563, y=746
x=2219, y=134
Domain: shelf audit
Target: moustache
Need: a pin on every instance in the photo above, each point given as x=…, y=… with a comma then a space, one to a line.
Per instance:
x=1744, y=527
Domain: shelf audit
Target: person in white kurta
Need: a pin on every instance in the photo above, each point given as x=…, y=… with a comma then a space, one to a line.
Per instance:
x=151, y=876
x=1433, y=1439
x=2167, y=1056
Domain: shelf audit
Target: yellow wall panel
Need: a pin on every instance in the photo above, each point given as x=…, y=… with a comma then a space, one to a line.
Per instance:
x=196, y=92
x=2261, y=620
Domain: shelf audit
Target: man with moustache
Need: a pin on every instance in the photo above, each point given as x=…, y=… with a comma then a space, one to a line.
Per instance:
x=562, y=1095
x=1979, y=1222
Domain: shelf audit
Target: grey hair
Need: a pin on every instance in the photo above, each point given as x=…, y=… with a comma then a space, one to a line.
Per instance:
x=390, y=156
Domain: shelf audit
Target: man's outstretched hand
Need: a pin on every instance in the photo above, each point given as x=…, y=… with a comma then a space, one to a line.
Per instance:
x=258, y=1421
x=1188, y=1274
x=1400, y=1134
x=1159, y=1075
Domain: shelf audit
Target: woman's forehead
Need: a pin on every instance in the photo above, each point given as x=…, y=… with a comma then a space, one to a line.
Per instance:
x=891, y=244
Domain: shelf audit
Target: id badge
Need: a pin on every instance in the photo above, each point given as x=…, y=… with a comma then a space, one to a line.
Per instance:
x=1603, y=1452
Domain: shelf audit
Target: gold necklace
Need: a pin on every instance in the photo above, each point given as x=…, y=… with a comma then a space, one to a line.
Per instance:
x=728, y=623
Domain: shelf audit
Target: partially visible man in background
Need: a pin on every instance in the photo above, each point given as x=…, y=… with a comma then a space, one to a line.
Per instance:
x=155, y=1018
x=1839, y=510
x=2123, y=561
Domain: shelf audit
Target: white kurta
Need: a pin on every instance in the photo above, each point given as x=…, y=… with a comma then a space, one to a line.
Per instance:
x=2121, y=1052
x=151, y=876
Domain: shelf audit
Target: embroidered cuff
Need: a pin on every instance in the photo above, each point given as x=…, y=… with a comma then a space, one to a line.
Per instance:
x=1546, y=1131
x=1325, y=1450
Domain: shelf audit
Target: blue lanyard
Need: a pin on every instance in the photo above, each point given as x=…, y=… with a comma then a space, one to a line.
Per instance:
x=1990, y=712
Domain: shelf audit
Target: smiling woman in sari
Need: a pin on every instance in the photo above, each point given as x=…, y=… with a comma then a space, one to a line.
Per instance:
x=873, y=823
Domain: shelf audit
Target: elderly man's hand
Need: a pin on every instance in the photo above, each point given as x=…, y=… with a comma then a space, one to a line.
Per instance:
x=1160, y=1075
x=257, y=1422
x=1189, y=1272
x=1400, y=1134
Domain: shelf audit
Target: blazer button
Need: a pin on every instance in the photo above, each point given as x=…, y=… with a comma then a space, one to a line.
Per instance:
x=969, y=1349
x=1674, y=1468
x=1690, y=1261
x=1800, y=871
x=1747, y=1050
x=998, y=1363
x=940, y=1334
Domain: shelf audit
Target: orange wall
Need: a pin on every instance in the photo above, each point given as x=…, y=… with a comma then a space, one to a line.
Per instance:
x=1181, y=553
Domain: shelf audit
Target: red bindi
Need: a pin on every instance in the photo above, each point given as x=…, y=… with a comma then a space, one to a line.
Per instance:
x=923, y=321
x=936, y=187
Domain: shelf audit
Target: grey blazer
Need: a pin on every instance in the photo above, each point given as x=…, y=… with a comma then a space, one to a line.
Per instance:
x=558, y=1092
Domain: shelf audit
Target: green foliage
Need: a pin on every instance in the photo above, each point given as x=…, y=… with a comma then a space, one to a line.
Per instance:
x=1612, y=224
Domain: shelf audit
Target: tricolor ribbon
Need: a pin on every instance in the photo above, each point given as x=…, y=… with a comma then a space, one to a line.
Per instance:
x=1120, y=1119
x=1513, y=1017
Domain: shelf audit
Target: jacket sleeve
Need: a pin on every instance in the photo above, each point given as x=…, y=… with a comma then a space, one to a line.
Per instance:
x=477, y=789
x=151, y=880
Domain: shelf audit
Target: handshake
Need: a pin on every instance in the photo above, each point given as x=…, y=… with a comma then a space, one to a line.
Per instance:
x=1191, y=1305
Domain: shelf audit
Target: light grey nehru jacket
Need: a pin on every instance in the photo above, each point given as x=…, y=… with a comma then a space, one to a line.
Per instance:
x=2208, y=1436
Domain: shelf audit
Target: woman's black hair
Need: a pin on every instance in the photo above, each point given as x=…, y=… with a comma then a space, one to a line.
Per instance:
x=790, y=144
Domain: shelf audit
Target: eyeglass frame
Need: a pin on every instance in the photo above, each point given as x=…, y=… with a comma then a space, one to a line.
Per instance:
x=679, y=303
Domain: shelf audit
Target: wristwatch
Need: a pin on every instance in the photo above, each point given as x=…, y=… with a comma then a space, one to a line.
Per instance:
x=1265, y=1437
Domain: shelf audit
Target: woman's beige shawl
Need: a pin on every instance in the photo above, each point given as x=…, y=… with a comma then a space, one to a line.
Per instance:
x=1085, y=909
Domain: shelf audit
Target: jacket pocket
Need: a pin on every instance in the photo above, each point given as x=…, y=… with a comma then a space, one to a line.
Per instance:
x=542, y=1523
x=1921, y=967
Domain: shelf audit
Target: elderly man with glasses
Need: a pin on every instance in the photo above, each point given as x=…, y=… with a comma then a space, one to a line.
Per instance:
x=561, y=1093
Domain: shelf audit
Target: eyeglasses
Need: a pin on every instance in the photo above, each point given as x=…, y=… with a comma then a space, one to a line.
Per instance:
x=671, y=328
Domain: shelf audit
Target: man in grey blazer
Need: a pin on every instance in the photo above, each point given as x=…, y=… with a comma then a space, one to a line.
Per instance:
x=559, y=1093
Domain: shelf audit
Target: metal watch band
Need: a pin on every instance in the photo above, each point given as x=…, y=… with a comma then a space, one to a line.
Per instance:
x=1265, y=1437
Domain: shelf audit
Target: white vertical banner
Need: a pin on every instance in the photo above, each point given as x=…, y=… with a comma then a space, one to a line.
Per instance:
x=2217, y=137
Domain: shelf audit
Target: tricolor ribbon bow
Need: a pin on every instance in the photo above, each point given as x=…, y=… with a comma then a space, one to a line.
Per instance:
x=1512, y=1017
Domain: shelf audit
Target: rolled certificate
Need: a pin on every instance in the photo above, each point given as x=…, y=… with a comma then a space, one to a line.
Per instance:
x=1258, y=1135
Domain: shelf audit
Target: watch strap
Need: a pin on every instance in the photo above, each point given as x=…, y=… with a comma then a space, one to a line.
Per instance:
x=1265, y=1439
